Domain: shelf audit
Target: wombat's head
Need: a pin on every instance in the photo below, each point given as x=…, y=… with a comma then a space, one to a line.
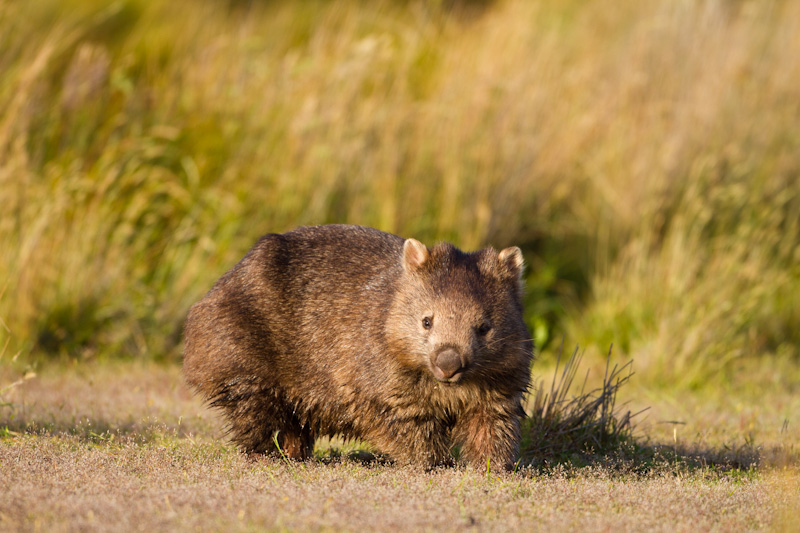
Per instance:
x=458, y=316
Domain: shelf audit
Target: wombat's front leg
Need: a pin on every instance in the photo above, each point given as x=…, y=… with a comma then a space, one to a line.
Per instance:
x=489, y=434
x=415, y=441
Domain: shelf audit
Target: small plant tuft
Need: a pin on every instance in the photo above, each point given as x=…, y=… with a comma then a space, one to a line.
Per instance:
x=571, y=429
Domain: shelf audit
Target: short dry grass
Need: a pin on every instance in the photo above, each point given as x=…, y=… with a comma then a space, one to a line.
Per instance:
x=128, y=447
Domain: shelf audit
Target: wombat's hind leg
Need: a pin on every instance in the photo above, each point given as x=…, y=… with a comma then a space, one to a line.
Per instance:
x=259, y=418
x=296, y=441
x=253, y=434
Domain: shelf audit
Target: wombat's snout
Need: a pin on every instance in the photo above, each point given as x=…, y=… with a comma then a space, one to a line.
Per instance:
x=447, y=365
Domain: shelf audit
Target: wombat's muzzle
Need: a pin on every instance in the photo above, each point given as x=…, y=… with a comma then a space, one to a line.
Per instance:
x=447, y=364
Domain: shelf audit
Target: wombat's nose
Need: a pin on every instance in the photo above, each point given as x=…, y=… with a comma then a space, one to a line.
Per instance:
x=447, y=364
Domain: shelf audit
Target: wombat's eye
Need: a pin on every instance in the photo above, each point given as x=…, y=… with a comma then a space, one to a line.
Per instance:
x=427, y=322
x=483, y=329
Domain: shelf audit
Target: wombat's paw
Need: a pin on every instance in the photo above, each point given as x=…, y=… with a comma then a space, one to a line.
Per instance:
x=437, y=463
x=295, y=448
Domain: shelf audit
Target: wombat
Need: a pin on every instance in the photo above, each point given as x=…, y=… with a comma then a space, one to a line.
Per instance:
x=350, y=331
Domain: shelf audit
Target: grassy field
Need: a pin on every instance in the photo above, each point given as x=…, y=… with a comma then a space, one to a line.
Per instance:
x=645, y=157
x=127, y=446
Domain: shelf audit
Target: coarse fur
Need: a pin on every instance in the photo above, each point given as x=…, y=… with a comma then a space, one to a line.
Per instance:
x=347, y=330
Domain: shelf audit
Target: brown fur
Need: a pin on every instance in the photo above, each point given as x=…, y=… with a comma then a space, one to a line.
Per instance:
x=322, y=331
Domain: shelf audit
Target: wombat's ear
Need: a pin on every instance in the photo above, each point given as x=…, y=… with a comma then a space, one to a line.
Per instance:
x=513, y=263
x=414, y=254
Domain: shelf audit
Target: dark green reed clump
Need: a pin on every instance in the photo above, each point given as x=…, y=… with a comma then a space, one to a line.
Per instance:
x=562, y=428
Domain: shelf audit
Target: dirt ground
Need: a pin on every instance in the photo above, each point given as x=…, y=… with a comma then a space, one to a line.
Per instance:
x=128, y=448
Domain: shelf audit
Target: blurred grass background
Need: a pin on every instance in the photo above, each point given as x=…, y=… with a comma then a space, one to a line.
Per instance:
x=644, y=154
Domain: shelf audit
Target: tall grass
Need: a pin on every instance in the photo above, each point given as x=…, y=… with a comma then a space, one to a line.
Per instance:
x=645, y=157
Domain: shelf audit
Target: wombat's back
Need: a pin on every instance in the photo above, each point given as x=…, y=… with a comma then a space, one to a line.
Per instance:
x=312, y=289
